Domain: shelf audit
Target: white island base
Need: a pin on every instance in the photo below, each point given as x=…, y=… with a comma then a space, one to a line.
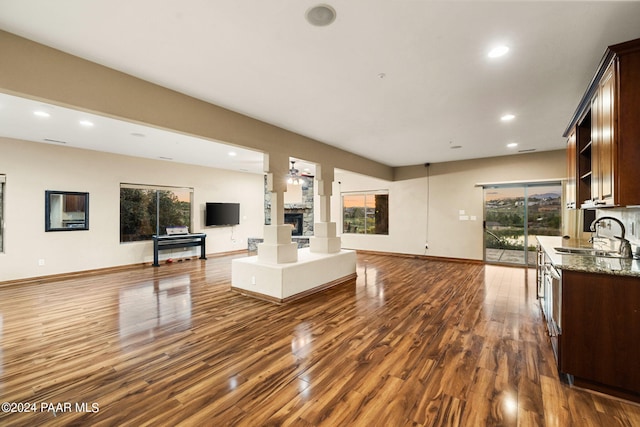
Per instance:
x=281, y=283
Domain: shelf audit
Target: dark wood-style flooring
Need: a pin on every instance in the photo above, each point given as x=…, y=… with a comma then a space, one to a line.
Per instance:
x=411, y=342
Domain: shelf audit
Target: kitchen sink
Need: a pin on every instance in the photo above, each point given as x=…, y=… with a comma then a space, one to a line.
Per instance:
x=588, y=252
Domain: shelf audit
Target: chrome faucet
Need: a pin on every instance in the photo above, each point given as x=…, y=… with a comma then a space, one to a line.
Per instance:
x=625, y=246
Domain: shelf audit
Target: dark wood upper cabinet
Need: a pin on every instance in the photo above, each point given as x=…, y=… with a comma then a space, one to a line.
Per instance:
x=603, y=131
x=75, y=202
x=603, y=146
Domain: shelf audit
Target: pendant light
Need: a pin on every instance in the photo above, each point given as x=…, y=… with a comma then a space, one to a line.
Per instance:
x=294, y=175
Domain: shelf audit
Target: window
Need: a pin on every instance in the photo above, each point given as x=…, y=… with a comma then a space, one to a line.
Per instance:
x=147, y=210
x=66, y=211
x=2, y=181
x=365, y=213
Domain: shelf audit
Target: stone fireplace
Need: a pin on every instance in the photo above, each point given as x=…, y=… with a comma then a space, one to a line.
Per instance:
x=304, y=207
x=299, y=215
x=296, y=221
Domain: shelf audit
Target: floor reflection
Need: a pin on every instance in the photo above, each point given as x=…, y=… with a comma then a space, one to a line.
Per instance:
x=373, y=285
x=153, y=304
x=301, y=341
x=304, y=389
x=233, y=383
x=509, y=405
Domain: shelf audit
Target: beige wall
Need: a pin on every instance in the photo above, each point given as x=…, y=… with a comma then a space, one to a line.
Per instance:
x=421, y=208
x=31, y=168
x=424, y=202
x=427, y=208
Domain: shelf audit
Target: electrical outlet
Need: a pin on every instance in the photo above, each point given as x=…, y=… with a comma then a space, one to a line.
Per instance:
x=40, y=262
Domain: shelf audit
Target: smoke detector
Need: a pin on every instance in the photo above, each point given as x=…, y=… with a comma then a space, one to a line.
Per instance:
x=321, y=15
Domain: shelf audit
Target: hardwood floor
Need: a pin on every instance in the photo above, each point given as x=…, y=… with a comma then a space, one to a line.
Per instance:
x=410, y=342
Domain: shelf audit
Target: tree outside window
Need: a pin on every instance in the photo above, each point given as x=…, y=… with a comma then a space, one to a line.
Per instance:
x=145, y=211
x=365, y=213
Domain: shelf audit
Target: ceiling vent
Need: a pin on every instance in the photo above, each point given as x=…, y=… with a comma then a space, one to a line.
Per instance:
x=57, y=141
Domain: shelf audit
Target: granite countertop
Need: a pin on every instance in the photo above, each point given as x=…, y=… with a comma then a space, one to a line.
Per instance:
x=590, y=264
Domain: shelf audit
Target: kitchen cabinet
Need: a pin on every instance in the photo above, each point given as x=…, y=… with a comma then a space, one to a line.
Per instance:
x=74, y=202
x=606, y=133
x=591, y=308
x=583, y=161
x=600, y=340
x=602, y=133
x=571, y=186
x=579, y=166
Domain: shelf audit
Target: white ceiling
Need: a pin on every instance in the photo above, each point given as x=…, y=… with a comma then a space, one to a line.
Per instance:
x=63, y=127
x=263, y=59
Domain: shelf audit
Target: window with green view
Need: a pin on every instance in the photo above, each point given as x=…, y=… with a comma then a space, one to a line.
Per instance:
x=365, y=213
x=146, y=210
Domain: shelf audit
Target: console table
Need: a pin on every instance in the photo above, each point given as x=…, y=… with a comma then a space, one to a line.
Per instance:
x=178, y=241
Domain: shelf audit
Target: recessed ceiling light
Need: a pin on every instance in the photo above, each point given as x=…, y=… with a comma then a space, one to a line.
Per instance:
x=86, y=123
x=512, y=145
x=498, y=51
x=507, y=117
x=41, y=113
x=382, y=75
x=321, y=15
x=232, y=154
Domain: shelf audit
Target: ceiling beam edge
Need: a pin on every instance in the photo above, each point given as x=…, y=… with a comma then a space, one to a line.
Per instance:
x=36, y=71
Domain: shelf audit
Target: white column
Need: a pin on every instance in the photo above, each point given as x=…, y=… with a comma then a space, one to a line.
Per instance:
x=277, y=247
x=324, y=239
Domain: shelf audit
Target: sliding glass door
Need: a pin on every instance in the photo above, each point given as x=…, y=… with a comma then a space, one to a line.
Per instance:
x=514, y=215
x=504, y=233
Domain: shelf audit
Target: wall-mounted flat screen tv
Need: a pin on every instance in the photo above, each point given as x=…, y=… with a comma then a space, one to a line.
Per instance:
x=222, y=214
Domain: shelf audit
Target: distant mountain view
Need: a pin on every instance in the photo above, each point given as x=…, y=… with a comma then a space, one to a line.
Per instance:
x=546, y=196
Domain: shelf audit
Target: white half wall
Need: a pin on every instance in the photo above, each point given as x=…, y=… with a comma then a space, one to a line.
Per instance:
x=278, y=282
x=31, y=168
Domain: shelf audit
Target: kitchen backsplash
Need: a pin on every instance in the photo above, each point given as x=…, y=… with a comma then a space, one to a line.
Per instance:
x=630, y=217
